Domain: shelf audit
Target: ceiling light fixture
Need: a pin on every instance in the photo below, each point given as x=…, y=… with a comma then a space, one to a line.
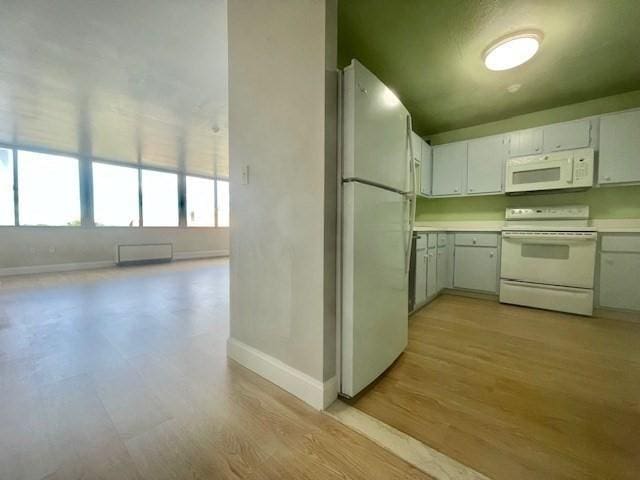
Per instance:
x=511, y=51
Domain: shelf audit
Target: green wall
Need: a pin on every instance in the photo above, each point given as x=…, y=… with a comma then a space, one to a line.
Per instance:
x=605, y=202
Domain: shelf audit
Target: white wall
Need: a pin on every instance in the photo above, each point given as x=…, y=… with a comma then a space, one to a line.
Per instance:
x=45, y=246
x=282, y=101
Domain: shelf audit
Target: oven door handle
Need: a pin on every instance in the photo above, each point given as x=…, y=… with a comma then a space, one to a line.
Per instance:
x=554, y=238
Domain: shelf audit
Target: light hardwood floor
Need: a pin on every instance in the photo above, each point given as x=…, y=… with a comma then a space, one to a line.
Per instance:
x=122, y=374
x=517, y=393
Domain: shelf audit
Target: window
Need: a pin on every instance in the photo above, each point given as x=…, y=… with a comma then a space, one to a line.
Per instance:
x=7, y=211
x=200, y=202
x=159, y=199
x=115, y=196
x=48, y=189
x=222, y=189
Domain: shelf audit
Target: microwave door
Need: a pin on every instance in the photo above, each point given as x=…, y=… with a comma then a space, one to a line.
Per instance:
x=543, y=175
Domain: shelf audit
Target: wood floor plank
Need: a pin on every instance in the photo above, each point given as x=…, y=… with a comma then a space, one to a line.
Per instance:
x=517, y=393
x=122, y=374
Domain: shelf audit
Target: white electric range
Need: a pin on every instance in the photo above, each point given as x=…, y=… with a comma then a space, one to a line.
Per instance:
x=548, y=258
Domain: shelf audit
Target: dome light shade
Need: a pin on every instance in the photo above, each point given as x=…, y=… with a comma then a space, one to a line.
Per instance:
x=512, y=51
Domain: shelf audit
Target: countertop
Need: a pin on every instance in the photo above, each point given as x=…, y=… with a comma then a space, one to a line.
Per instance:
x=601, y=226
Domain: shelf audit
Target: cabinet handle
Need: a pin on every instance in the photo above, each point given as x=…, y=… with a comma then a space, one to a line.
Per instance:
x=455, y=190
x=491, y=254
x=608, y=179
x=558, y=146
x=471, y=189
x=474, y=241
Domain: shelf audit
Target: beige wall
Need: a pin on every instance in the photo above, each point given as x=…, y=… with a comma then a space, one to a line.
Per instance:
x=281, y=59
x=36, y=246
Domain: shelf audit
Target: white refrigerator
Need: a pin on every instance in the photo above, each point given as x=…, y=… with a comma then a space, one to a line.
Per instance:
x=377, y=208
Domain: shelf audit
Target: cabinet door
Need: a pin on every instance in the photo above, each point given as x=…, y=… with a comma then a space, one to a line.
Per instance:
x=432, y=278
x=485, y=168
x=619, y=148
x=525, y=142
x=449, y=169
x=443, y=267
x=619, y=287
x=425, y=184
x=421, y=276
x=565, y=136
x=476, y=268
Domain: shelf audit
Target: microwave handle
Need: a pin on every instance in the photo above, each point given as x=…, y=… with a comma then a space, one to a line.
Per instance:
x=570, y=179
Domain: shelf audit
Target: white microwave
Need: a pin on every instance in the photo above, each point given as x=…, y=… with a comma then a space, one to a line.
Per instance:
x=554, y=171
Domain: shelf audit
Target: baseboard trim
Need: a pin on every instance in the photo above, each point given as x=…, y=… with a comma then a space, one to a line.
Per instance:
x=314, y=392
x=55, y=268
x=70, y=267
x=200, y=254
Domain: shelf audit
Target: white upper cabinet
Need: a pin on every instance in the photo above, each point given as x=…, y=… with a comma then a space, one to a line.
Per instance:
x=619, y=148
x=486, y=164
x=567, y=136
x=449, y=169
x=425, y=169
x=525, y=142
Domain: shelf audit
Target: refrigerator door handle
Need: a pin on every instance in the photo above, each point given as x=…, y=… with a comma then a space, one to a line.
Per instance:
x=411, y=195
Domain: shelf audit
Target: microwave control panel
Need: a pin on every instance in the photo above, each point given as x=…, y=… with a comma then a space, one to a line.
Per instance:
x=583, y=167
x=568, y=212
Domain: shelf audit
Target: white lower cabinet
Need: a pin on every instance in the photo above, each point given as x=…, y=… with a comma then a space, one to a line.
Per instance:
x=443, y=262
x=476, y=262
x=619, y=267
x=476, y=268
x=432, y=277
x=421, y=275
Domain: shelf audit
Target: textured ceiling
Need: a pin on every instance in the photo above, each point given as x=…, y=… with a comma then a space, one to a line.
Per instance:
x=429, y=52
x=136, y=81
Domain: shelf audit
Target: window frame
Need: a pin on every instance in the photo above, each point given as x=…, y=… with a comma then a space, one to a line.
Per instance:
x=85, y=188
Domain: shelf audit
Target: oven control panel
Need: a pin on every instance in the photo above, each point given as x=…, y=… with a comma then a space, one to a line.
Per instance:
x=572, y=212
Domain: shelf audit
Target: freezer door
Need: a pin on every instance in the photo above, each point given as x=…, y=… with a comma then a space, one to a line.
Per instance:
x=374, y=283
x=375, y=131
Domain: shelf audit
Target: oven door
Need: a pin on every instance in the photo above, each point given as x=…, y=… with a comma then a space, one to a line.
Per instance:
x=551, y=258
x=542, y=174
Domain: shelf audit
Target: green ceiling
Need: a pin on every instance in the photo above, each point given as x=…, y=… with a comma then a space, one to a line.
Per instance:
x=429, y=52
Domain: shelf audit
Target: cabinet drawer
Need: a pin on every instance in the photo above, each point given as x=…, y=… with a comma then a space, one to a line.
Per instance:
x=480, y=239
x=621, y=243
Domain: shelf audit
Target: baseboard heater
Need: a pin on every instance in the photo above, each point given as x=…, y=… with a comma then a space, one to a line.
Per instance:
x=144, y=253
